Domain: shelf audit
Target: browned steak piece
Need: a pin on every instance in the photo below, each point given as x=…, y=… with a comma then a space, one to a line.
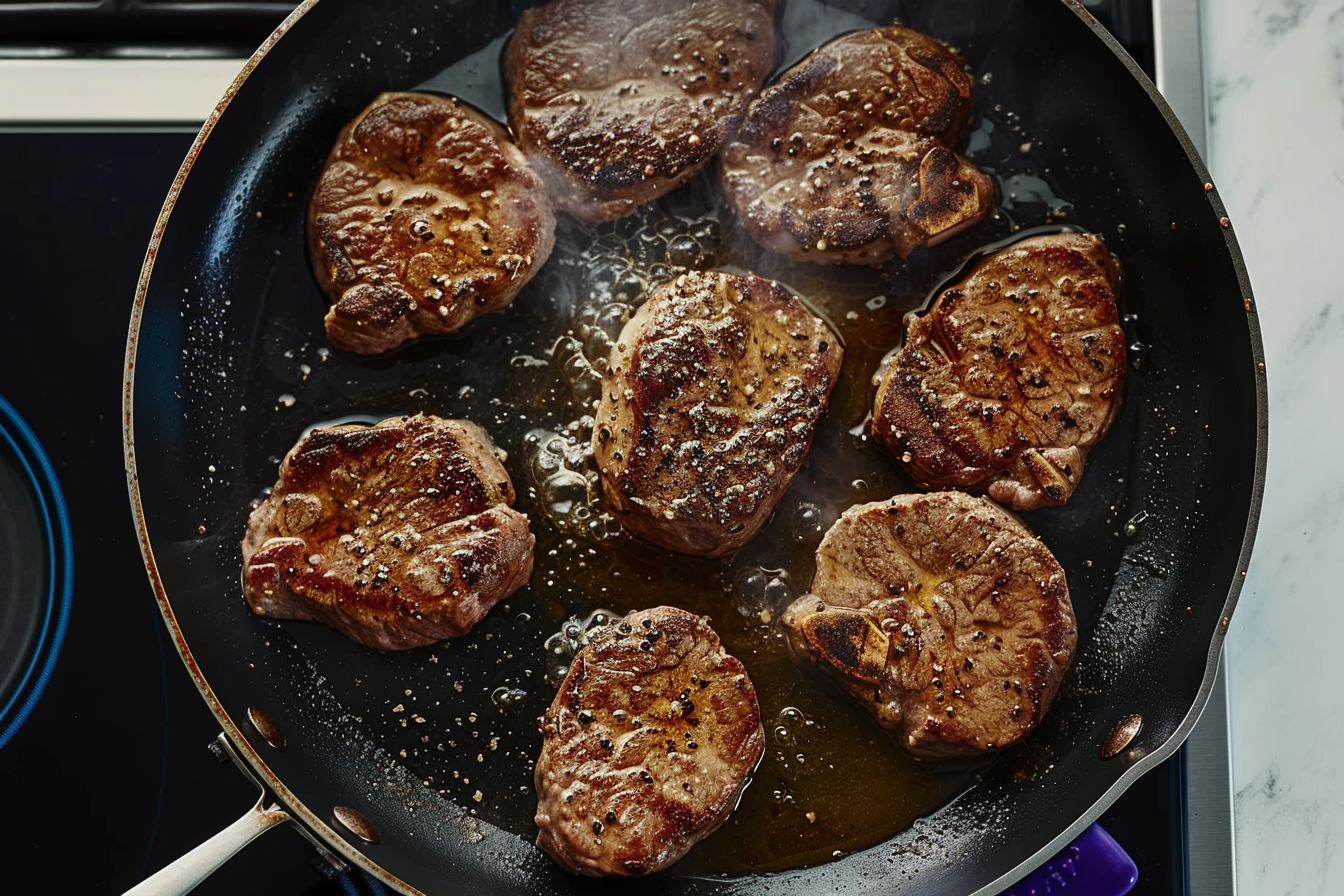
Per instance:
x=943, y=616
x=1012, y=376
x=647, y=746
x=398, y=534
x=616, y=103
x=425, y=217
x=849, y=156
x=708, y=408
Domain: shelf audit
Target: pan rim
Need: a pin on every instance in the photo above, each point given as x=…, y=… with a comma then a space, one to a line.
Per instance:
x=302, y=814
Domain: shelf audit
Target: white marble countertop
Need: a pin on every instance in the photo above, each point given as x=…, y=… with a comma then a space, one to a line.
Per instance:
x=1275, y=73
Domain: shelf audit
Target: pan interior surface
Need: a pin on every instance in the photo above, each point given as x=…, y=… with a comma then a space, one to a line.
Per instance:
x=232, y=366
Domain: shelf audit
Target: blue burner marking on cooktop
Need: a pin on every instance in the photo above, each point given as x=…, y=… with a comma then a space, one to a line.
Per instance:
x=51, y=504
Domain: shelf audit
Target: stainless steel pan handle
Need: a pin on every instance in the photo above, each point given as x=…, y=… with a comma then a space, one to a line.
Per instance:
x=183, y=875
x=187, y=872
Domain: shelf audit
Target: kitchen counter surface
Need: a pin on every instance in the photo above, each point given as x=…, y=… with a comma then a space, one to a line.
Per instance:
x=1276, y=151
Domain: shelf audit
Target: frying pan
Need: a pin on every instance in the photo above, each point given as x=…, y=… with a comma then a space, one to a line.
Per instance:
x=227, y=366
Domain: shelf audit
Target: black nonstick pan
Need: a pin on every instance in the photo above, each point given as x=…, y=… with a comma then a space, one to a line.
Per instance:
x=227, y=366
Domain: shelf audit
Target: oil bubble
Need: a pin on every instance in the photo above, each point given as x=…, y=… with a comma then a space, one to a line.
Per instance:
x=565, y=491
x=1136, y=522
x=684, y=251
x=761, y=591
x=778, y=590
x=808, y=522
x=561, y=646
x=789, y=724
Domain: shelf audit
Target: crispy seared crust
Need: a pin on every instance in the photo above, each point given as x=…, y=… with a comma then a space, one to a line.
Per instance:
x=943, y=616
x=426, y=216
x=646, y=747
x=849, y=158
x=1012, y=375
x=617, y=103
x=713, y=394
x=397, y=535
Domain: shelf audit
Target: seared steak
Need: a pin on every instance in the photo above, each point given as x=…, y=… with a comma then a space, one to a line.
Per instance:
x=943, y=617
x=398, y=534
x=616, y=103
x=849, y=156
x=646, y=747
x=708, y=408
x=425, y=217
x=1011, y=376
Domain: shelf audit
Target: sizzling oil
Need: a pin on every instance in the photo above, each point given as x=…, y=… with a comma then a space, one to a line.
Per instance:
x=461, y=716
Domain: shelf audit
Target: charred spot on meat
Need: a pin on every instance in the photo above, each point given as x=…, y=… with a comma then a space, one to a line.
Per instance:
x=426, y=216
x=943, y=616
x=617, y=103
x=398, y=534
x=712, y=395
x=646, y=747
x=849, y=157
x=1012, y=376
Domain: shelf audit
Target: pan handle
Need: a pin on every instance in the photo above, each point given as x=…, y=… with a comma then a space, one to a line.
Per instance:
x=183, y=875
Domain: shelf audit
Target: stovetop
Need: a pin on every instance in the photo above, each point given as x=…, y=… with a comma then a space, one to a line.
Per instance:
x=111, y=777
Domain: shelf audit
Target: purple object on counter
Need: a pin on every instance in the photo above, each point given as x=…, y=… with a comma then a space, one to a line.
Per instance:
x=1092, y=865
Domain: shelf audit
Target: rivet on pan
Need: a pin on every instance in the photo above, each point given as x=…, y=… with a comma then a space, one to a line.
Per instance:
x=266, y=727
x=1226, y=222
x=356, y=823
x=1250, y=305
x=1125, y=731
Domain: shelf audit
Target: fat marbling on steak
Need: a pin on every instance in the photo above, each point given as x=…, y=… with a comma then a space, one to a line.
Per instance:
x=849, y=157
x=1012, y=375
x=943, y=616
x=426, y=216
x=398, y=534
x=616, y=103
x=711, y=397
x=646, y=747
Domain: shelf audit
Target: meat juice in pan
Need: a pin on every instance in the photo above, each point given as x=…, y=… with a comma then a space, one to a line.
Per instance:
x=461, y=716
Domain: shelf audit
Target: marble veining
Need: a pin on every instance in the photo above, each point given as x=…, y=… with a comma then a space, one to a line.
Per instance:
x=1275, y=72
